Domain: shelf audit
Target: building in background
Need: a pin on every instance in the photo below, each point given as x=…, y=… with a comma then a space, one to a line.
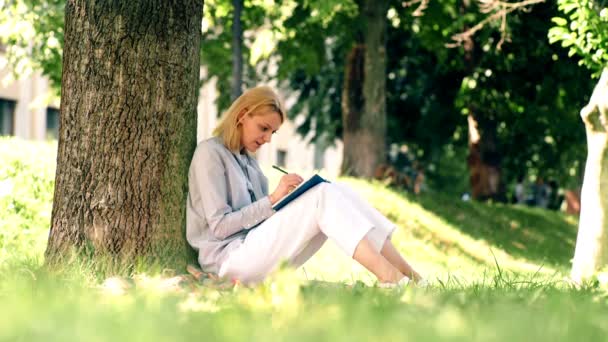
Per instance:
x=28, y=111
x=26, y=107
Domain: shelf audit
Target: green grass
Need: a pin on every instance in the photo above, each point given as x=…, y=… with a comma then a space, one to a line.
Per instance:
x=497, y=273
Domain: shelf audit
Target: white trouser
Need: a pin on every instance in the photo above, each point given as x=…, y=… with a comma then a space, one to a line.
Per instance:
x=298, y=231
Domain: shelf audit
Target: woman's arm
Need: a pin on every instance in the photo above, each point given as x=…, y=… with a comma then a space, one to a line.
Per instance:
x=208, y=190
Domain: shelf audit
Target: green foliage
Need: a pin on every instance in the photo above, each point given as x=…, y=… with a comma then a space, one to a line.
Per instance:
x=262, y=24
x=312, y=63
x=216, y=45
x=529, y=91
x=532, y=92
x=27, y=174
x=324, y=11
x=583, y=31
x=448, y=172
x=423, y=77
x=429, y=87
x=32, y=32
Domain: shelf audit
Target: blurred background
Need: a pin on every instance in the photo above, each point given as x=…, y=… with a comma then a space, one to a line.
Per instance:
x=493, y=116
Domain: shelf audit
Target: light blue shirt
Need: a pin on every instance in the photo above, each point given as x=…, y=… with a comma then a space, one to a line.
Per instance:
x=220, y=210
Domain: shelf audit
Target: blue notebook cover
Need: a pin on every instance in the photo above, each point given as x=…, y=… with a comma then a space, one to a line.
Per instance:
x=302, y=188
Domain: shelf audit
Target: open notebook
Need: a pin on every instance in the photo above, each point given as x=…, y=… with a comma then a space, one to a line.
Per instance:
x=299, y=190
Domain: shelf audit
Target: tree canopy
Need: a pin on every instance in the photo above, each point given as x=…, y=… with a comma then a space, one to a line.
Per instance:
x=529, y=87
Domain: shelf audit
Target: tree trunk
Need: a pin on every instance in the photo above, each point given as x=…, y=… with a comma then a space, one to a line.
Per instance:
x=237, y=51
x=127, y=131
x=483, y=159
x=591, y=253
x=352, y=108
x=365, y=148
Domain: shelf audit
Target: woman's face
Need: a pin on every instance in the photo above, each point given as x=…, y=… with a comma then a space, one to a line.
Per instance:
x=257, y=128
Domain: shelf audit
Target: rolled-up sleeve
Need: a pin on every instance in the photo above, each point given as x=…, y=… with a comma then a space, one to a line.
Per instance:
x=209, y=192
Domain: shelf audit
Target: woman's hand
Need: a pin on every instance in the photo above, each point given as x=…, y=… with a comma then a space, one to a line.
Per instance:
x=286, y=185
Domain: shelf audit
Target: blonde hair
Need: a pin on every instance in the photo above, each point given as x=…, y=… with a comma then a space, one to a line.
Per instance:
x=250, y=101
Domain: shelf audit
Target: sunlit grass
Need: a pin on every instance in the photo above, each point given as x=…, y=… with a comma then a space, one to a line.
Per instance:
x=285, y=307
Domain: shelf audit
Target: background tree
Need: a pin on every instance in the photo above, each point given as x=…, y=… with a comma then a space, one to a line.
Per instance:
x=259, y=23
x=127, y=130
x=364, y=94
x=237, y=53
x=526, y=111
x=429, y=89
x=583, y=29
x=312, y=61
x=361, y=106
x=518, y=92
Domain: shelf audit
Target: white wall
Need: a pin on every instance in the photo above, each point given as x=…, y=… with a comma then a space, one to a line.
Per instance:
x=32, y=95
x=207, y=110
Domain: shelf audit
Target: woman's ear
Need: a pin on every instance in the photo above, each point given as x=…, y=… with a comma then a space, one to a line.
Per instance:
x=241, y=116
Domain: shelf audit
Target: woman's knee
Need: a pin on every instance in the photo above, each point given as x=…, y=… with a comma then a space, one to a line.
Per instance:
x=320, y=190
x=328, y=191
x=330, y=188
x=345, y=188
x=323, y=186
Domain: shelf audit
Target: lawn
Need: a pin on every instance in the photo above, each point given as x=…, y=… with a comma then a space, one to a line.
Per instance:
x=497, y=274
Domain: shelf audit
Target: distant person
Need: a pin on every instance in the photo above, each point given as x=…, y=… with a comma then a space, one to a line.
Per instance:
x=520, y=191
x=573, y=201
x=231, y=222
x=555, y=199
x=418, y=178
x=403, y=159
x=541, y=193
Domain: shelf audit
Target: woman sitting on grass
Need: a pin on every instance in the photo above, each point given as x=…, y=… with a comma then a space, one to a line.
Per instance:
x=230, y=220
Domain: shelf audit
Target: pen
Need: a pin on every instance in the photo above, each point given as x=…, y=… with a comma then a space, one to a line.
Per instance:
x=278, y=168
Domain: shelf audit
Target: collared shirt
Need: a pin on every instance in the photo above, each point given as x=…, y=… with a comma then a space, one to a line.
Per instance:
x=220, y=208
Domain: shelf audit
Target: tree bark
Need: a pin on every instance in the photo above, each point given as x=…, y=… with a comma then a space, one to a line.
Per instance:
x=365, y=148
x=127, y=131
x=591, y=253
x=237, y=51
x=483, y=159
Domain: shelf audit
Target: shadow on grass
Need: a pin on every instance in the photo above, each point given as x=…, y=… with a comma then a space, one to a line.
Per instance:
x=538, y=235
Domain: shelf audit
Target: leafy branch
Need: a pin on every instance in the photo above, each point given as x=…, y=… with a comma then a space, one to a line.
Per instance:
x=583, y=31
x=496, y=10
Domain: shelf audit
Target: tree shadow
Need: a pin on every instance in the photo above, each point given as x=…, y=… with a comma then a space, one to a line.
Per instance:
x=538, y=235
